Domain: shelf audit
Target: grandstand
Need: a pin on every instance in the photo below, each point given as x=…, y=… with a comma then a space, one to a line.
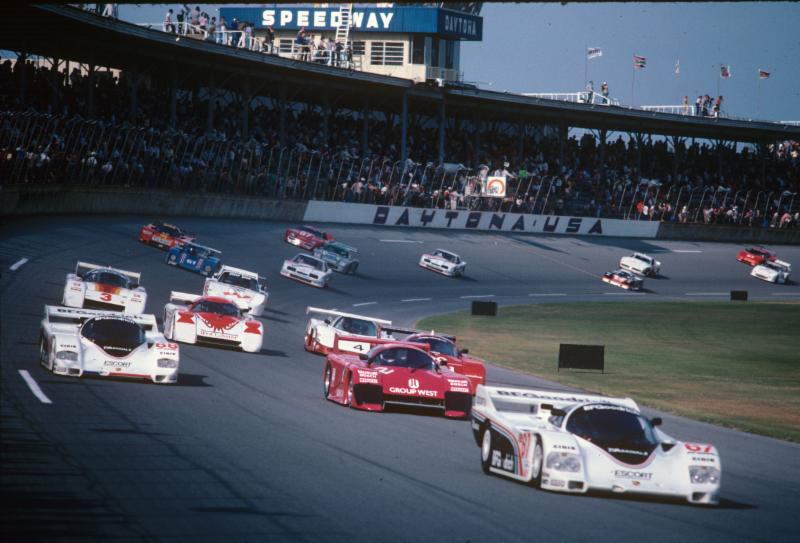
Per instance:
x=148, y=109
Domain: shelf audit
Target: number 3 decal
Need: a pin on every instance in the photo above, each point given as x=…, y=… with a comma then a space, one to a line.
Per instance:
x=106, y=297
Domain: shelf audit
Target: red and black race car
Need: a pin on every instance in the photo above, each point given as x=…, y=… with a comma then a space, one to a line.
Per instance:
x=307, y=237
x=443, y=348
x=623, y=279
x=396, y=374
x=163, y=235
x=756, y=255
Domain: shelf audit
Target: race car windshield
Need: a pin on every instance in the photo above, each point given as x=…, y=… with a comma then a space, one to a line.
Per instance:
x=239, y=281
x=116, y=337
x=314, y=232
x=515, y=407
x=758, y=252
x=642, y=258
x=107, y=278
x=623, y=433
x=337, y=249
x=217, y=308
x=358, y=327
x=446, y=256
x=308, y=261
x=170, y=230
x=440, y=346
x=399, y=357
x=773, y=266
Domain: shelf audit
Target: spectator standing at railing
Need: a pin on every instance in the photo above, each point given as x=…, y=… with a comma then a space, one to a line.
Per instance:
x=212, y=30
x=181, y=17
x=269, y=38
x=685, y=105
x=589, y=92
x=718, y=106
x=698, y=106
x=202, y=21
x=301, y=41
x=168, y=24
x=222, y=37
x=604, y=90
x=196, y=16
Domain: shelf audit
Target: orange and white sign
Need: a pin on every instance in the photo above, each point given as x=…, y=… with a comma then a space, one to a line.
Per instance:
x=495, y=186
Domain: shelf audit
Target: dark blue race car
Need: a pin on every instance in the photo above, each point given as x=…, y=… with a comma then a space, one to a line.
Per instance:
x=194, y=257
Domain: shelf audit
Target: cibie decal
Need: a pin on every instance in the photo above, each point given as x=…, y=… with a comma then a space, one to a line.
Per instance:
x=413, y=383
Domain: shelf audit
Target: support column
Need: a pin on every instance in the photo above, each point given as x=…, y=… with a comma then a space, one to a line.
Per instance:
x=22, y=59
x=134, y=79
x=404, y=129
x=676, y=142
x=442, y=129
x=520, y=143
x=478, y=125
x=246, y=97
x=720, y=144
x=763, y=150
x=326, y=124
x=55, y=85
x=603, y=135
x=212, y=102
x=639, y=145
x=90, y=99
x=173, y=97
x=282, y=106
x=563, y=131
x=365, y=117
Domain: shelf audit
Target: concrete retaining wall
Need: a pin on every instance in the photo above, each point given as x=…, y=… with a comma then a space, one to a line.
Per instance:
x=729, y=234
x=38, y=200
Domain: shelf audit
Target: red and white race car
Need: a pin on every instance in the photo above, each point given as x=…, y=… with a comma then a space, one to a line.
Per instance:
x=307, y=237
x=443, y=348
x=342, y=332
x=756, y=255
x=623, y=279
x=395, y=374
x=190, y=318
x=163, y=235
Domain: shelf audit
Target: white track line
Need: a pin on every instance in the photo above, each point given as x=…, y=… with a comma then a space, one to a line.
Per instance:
x=416, y=300
x=707, y=294
x=624, y=293
x=18, y=264
x=785, y=293
x=477, y=296
x=34, y=386
x=364, y=303
x=684, y=251
x=399, y=241
x=548, y=294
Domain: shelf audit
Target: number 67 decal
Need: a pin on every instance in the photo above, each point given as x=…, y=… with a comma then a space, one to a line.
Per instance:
x=698, y=447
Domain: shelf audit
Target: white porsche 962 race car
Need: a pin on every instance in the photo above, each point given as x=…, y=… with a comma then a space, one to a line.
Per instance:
x=776, y=271
x=307, y=269
x=640, y=263
x=443, y=262
x=342, y=332
x=102, y=287
x=85, y=341
x=190, y=318
x=242, y=287
x=575, y=443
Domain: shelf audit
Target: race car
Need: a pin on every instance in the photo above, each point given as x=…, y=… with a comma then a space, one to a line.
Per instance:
x=624, y=279
x=102, y=287
x=443, y=348
x=444, y=262
x=575, y=443
x=340, y=257
x=78, y=342
x=307, y=269
x=307, y=237
x=163, y=235
x=190, y=318
x=776, y=271
x=194, y=257
x=755, y=256
x=242, y=287
x=342, y=332
x=640, y=263
x=395, y=374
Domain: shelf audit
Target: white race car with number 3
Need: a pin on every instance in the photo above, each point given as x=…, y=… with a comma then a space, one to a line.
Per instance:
x=76, y=342
x=102, y=287
x=576, y=442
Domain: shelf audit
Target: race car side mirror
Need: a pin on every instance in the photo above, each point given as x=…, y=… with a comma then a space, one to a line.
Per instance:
x=363, y=356
x=656, y=421
x=463, y=351
x=556, y=412
x=328, y=320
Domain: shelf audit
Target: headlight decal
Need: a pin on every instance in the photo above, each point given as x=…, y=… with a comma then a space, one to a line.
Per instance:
x=167, y=363
x=563, y=461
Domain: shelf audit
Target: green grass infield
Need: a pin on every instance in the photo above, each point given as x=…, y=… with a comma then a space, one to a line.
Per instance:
x=731, y=363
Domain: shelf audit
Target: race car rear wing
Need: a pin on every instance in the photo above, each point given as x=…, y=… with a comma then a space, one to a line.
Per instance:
x=549, y=400
x=783, y=264
x=183, y=298
x=55, y=314
x=243, y=273
x=361, y=344
x=411, y=331
x=320, y=311
x=86, y=266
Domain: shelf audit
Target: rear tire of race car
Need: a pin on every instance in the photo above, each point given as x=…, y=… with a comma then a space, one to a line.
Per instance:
x=351, y=269
x=537, y=462
x=348, y=400
x=311, y=339
x=43, y=353
x=326, y=382
x=206, y=271
x=486, y=449
x=172, y=260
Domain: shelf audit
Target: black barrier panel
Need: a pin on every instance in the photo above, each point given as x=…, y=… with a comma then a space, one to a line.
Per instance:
x=484, y=308
x=739, y=295
x=581, y=357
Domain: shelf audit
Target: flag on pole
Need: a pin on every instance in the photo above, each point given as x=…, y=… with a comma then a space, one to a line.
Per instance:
x=678, y=67
x=763, y=74
x=725, y=71
x=593, y=52
x=639, y=61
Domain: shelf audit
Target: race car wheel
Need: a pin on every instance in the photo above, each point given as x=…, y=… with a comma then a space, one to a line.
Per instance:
x=536, y=463
x=348, y=400
x=326, y=382
x=207, y=271
x=172, y=260
x=486, y=449
x=351, y=269
x=311, y=339
x=42, y=352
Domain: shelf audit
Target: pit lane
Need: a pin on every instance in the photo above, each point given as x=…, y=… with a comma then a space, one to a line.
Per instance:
x=245, y=447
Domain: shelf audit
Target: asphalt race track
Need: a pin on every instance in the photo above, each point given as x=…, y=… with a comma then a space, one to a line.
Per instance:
x=245, y=448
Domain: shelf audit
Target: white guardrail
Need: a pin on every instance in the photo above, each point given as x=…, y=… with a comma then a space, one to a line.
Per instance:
x=584, y=97
x=446, y=219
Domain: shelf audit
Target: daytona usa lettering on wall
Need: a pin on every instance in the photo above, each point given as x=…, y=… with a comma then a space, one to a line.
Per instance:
x=446, y=219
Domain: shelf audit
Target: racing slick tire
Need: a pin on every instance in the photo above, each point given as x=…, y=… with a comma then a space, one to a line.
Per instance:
x=486, y=449
x=326, y=382
x=43, y=354
x=537, y=463
x=348, y=400
x=351, y=269
x=311, y=339
x=172, y=260
x=206, y=271
x=169, y=328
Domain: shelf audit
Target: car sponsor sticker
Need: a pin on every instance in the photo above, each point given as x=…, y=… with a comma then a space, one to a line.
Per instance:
x=413, y=392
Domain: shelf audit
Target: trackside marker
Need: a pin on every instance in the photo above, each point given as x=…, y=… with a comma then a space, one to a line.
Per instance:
x=34, y=386
x=364, y=303
x=399, y=241
x=685, y=251
x=18, y=264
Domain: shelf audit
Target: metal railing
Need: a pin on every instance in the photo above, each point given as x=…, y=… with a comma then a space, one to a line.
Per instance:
x=682, y=109
x=584, y=97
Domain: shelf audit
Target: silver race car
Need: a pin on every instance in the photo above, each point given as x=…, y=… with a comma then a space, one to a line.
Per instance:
x=339, y=256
